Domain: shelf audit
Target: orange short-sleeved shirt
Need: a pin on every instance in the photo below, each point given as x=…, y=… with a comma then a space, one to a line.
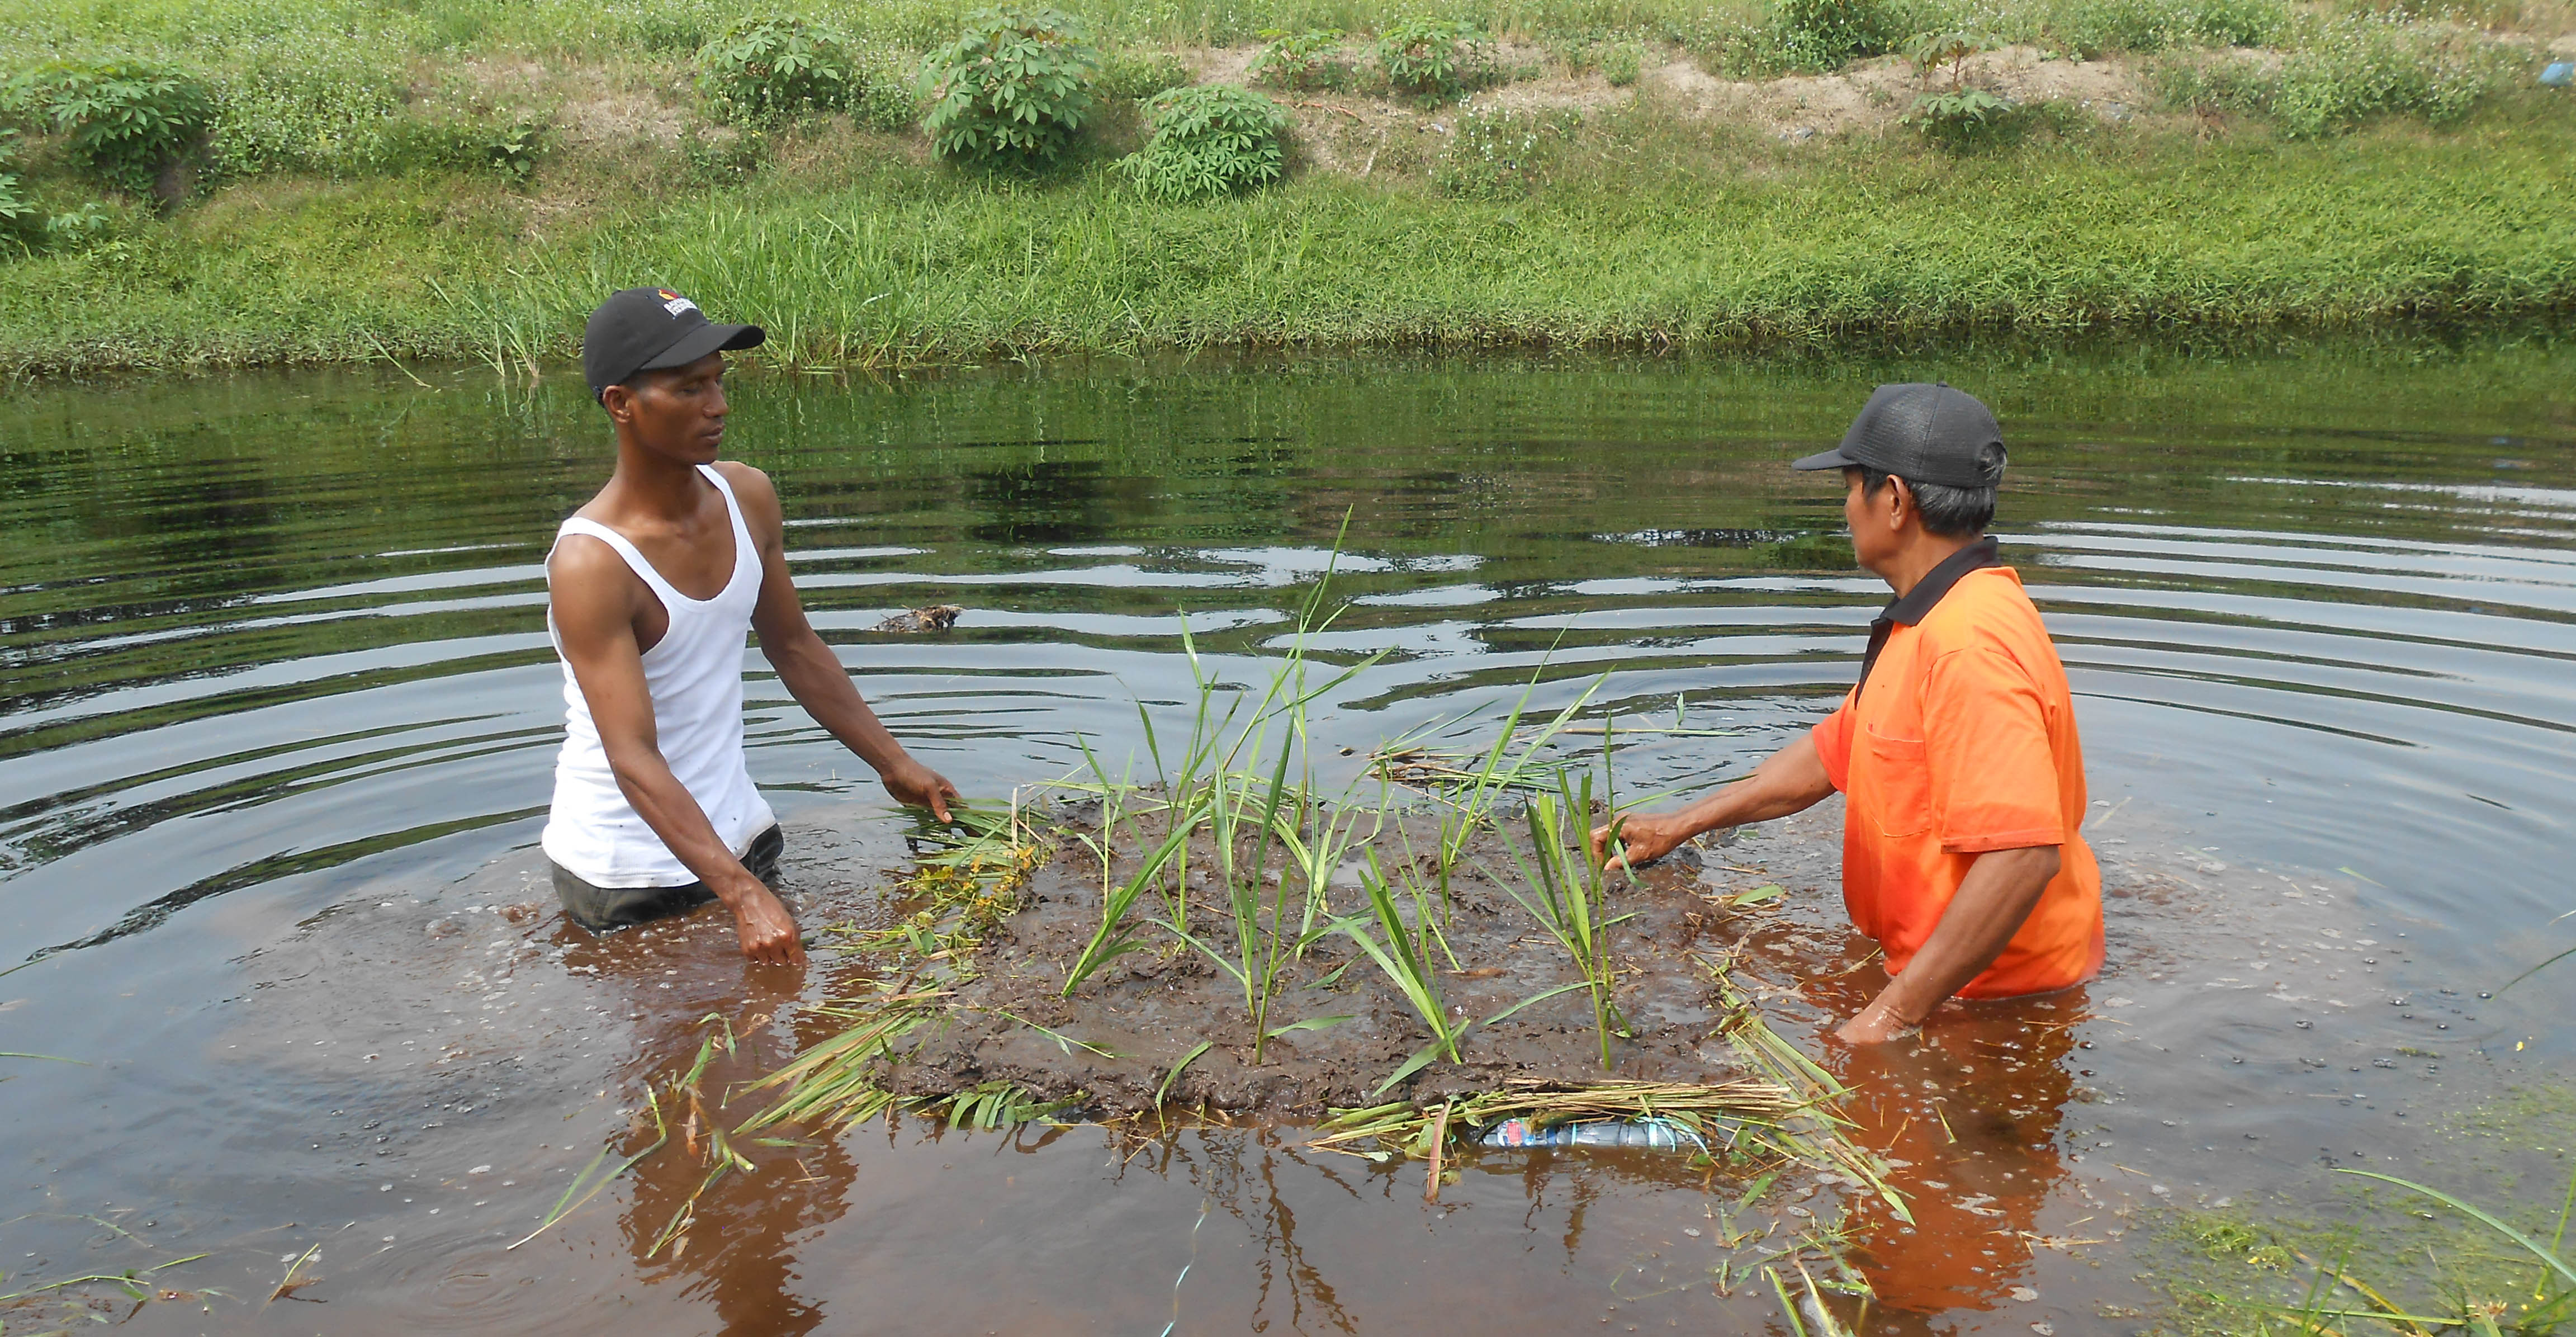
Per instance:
x=1962, y=740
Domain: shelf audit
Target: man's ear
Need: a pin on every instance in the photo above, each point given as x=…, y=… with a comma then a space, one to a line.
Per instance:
x=1900, y=506
x=620, y=403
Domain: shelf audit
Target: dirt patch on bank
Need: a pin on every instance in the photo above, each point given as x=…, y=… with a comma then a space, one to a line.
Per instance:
x=1115, y=1043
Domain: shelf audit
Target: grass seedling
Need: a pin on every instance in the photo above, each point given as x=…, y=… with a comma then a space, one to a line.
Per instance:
x=1402, y=960
x=1569, y=896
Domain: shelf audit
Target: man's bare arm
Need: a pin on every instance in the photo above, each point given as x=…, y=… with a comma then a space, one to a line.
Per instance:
x=594, y=597
x=1790, y=780
x=1993, y=901
x=812, y=673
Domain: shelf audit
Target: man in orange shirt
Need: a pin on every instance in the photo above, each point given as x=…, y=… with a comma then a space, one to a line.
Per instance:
x=1956, y=750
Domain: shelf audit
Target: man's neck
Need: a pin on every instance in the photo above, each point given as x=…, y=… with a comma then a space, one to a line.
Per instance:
x=648, y=485
x=1916, y=560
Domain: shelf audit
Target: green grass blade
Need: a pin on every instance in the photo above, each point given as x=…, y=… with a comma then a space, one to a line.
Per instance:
x=2479, y=1215
x=1174, y=1075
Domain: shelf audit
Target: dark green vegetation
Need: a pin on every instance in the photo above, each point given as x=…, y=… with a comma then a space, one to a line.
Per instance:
x=2408, y=1256
x=344, y=179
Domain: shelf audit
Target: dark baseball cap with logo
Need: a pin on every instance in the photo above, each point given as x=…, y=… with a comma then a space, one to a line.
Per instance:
x=648, y=329
x=1922, y=434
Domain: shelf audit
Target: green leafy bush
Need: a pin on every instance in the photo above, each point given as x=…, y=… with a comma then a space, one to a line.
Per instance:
x=125, y=120
x=1827, y=34
x=1500, y=154
x=770, y=69
x=1014, y=86
x=2344, y=70
x=506, y=144
x=1300, y=60
x=2092, y=28
x=1622, y=63
x=1429, y=58
x=19, y=216
x=1211, y=140
x=1139, y=74
x=1967, y=118
x=287, y=106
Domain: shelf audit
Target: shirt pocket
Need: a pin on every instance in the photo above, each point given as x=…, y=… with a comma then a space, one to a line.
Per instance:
x=1900, y=781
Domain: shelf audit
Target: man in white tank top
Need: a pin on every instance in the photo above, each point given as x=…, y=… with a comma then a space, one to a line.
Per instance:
x=651, y=589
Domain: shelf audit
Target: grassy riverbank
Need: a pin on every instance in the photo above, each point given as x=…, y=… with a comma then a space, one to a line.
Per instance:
x=482, y=177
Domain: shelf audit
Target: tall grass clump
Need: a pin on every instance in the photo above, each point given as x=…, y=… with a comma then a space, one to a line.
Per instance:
x=1015, y=87
x=1207, y=142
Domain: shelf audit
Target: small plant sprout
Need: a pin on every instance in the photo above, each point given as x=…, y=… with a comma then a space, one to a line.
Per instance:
x=1568, y=894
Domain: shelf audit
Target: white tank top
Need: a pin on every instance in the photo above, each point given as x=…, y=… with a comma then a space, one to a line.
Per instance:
x=694, y=675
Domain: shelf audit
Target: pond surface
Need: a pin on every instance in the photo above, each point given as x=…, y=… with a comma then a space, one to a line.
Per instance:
x=277, y=717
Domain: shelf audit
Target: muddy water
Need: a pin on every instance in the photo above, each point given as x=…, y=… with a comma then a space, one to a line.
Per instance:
x=279, y=714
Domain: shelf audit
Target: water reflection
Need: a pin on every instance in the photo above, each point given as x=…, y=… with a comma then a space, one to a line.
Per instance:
x=278, y=637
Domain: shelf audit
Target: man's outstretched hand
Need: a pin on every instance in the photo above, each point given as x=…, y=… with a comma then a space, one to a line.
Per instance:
x=917, y=786
x=1643, y=838
x=768, y=931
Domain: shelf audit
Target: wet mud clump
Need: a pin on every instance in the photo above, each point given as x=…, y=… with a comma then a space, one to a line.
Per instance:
x=1299, y=975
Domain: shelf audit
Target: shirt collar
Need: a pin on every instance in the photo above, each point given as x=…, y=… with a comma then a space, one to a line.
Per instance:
x=1927, y=592
x=1917, y=603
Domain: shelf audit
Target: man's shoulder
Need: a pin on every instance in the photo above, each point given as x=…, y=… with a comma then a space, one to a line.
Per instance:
x=1987, y=608
x=746, y=481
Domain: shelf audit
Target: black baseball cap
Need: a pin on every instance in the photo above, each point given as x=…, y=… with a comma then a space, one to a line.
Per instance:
x=647, y=329
x=1922, y=434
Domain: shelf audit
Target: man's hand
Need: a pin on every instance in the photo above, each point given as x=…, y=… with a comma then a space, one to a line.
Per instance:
x=1874, y=1025
x=768, y=932
x=917, y=786
x=1643, y=838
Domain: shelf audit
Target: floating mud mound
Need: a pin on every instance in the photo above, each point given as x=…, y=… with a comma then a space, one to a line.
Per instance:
x=1165, y=1022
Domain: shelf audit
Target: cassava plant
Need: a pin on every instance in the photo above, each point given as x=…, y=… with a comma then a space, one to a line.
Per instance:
x=1208, y=141
x=1427, y=58
x=1015, y=87
x=1300, y=60
x=769, y=69
x=125, y=120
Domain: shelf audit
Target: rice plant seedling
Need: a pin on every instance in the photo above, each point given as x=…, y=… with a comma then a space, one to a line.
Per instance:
x=1402, y=959
x=988, y=1106
x=1570, y=896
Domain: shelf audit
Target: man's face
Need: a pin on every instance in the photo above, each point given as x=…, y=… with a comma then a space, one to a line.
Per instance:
x=679, y=413
x=1874, y=520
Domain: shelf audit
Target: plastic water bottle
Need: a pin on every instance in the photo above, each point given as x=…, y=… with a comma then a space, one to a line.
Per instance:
x=1657, y=1134
x=2559, y=74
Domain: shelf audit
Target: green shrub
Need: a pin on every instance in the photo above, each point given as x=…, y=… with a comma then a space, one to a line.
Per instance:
x=1500, y=154
x=302, y=107
x=770, y=69
x=1622, y=63
x=1300, y=60
x=2344, y=70
x=1210, y=140
x=1428, y=58
x=2092, y=28
x=1140, y=74
x=1014, y=86
x=1932, y=50
x=1827, y=34
x=723, y=155
x=20, y=218
x=2350, y=68
x=125, y=120
x=507, y=144
x=1968, y=118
